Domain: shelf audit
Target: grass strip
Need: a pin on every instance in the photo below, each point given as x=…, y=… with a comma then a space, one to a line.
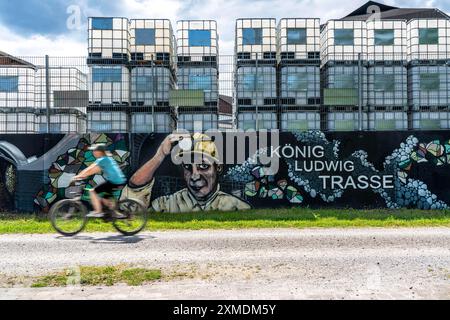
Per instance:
x=98, y=276
x=274, y=218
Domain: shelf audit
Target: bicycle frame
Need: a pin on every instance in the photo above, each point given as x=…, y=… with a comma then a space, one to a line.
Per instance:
x=78, y=194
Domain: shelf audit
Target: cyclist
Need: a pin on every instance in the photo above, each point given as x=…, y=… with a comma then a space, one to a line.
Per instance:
x=113, y=175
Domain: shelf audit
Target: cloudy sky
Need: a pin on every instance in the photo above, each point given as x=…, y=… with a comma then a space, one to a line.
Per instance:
x=58, y=27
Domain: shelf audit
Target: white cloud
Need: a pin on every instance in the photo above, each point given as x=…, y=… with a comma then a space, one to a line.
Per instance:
x=39, y=45
x=157, y=9
x=74, y=43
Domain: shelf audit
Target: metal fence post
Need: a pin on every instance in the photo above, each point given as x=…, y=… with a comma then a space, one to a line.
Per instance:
x=129, y=113
x=154, y=83
x=360, y=92
x=47, y=91
x=257, y=93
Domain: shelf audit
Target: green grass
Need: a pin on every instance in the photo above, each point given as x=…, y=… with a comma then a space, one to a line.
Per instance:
x=99, y=276
x=266, y=218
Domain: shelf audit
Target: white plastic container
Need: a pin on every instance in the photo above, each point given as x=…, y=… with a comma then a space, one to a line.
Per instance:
x=17, y=122
x=429, y=86
x=151, y=86
x=300, y=121
x=388, y=86
x=197, y=39
x=345, y=77
x=266, y=120
x=345, y=121
x=61, y=123
x=18, y=87
x=343, y=41
x=109, y=84
x=299, y=38
x=386, y=40
x=147, y=122
x=256, y=86
x=108, y=38
x=390, y=120
x=107, y=121
x=61, y=79
x=429, y=120
x=197, y=122
x=200, y=78
x=300, y=85
x=151, y=39
x=428, y=39
x=256, y=38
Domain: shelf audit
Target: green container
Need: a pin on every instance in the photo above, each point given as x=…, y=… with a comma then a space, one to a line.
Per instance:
x=340, y=97
x=187, y=98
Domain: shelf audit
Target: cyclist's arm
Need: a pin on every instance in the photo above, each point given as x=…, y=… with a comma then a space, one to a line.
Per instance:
x=89, y=171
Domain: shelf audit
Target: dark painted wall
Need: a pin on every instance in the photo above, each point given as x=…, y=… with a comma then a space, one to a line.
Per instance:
x=415, y=166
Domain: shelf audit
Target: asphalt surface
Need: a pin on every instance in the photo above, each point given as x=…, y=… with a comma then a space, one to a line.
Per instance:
x=242, y=264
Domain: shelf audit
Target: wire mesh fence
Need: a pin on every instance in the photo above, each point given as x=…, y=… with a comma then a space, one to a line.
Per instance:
x=256, y=91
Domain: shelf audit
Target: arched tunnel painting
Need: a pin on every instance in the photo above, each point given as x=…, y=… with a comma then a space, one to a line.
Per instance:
x=313, y=169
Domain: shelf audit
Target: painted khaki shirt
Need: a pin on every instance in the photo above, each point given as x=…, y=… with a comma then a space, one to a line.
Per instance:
x=183, y=201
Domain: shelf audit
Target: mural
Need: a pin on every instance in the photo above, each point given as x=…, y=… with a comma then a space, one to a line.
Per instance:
x=316, y=175
x=314, y=169
x=75, y=160
x=202, y=192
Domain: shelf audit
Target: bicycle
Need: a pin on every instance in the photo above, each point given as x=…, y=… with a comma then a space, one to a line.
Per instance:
x=69, y=216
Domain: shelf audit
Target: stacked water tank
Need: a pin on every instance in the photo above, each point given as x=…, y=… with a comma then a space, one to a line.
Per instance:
x=387, y=75
x=68, y=94
x=429, y=73
x=152, y=75
x=17, y=99
x=256, y=74
x=196, y=99
x=299, y=74
x=344, y=65
x=109, y=74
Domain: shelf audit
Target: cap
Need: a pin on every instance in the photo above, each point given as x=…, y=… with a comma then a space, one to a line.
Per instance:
x=98, y=147
x=203, y=146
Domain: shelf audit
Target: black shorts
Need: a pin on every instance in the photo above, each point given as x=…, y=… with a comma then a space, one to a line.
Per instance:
x=108, y=188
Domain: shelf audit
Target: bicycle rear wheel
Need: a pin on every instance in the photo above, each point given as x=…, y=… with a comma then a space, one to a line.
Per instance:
x=68, y=217
x=135, y=217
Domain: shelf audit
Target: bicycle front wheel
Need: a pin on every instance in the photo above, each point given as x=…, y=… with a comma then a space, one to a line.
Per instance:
x=68, y=217
x=135, y=217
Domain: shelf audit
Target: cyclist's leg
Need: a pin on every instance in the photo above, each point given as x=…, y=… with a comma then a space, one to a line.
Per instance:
x=96, y=200
x=110, y=200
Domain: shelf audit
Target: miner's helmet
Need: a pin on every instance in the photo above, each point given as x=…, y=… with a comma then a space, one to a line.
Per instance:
x=199, y=147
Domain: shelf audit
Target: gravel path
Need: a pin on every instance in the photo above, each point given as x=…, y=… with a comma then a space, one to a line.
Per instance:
x=252, y=264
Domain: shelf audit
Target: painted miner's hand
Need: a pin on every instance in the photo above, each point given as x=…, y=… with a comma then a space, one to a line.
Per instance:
x=168, y=143
x=146, y=173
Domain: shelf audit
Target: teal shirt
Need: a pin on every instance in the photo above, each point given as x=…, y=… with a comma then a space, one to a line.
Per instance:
x=111, y=170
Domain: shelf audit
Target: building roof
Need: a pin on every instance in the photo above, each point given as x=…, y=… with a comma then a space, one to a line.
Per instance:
x=9, y=60
x=386, y=12
x=225, y=104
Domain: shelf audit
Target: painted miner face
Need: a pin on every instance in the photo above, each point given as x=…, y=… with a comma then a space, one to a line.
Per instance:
x=201, y=178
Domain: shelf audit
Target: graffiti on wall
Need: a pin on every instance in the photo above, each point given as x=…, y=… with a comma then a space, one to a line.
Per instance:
x=75, y=160
x=322, y=173
x=371, y=169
